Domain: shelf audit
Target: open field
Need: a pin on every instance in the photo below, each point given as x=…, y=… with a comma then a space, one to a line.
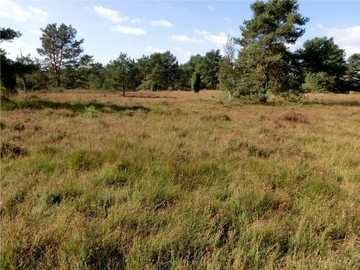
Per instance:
x=178, y=180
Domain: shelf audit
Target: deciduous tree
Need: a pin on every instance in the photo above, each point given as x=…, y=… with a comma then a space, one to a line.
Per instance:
x=227, y=72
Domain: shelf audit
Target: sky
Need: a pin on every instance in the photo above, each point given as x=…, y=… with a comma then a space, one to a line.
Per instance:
x=184, y=28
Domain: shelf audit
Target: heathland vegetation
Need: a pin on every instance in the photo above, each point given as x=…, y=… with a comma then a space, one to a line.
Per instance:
x=261, y=175
x=178, y=180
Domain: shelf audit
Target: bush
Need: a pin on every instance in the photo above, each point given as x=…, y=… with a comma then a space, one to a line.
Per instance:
x=153, y=86
x=196, y=82
x=319, y=82
x=91, y=111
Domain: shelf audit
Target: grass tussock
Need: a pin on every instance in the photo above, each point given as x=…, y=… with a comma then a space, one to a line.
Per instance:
x=163, y=182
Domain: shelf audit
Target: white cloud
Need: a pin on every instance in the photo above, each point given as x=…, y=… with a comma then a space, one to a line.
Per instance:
x=35, y=31
x=153, y=49
x=81, y=33
x=202, y=32
x=218, y=40
x=347, y=38
x=17, y=47
x=162, y=23
x=136, y=20
x=137, y=31
x=227, y=20
x=109, y=14
x=350, y=50
x=12, y=10
x=183, y=38
x=38, y=13
x=210, y=7
x=182, y=51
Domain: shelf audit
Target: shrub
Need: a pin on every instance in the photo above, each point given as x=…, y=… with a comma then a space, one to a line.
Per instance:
x=196, y=82
x=91, y=111
x=154, y=86
x=319, y=82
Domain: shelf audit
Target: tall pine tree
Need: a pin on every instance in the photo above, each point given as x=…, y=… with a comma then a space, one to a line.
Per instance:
x=264, y=59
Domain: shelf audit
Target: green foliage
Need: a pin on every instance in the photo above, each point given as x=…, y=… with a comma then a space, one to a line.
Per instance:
x=8, y=74
x=319, y=82
x=227, y=72
x=162, y=68
x=25, y=66
x=91, y=111
x=324, y=64
x=121, y=74
x=38, y=80
x=352, y=76
x=264, y=59
x=196, y=82
x=8, y=34
x=8, y=68
x=153, y=86
x=60, y=48
x=209, y=69
x=208, y=66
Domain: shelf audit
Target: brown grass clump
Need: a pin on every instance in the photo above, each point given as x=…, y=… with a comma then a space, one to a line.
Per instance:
x=296, y=117
x=215, y=118
x=12, y=151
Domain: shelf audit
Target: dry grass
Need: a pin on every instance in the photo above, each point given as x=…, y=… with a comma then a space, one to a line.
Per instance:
x=131, y=98
x=178, y=180
x=352, y=99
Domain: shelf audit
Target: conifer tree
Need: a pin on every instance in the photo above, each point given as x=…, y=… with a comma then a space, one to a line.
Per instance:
x=265, y=59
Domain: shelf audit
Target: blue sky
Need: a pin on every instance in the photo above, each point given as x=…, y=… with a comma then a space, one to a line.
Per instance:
x=185, y=28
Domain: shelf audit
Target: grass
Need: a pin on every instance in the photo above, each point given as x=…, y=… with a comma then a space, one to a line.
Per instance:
x=173, y=180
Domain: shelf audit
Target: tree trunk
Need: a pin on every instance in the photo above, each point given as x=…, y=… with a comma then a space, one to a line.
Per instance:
x=23, y=85
x=123, y=84
x=267, y=77
x=58, y=81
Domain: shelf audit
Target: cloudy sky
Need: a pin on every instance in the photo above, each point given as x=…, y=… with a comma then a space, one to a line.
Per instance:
x=185, y=28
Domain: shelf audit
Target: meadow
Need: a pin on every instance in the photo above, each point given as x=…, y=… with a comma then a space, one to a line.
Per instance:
x=179, y=180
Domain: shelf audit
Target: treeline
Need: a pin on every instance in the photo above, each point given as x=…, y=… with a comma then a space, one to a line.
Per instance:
x=253, y=65
x=64, y=65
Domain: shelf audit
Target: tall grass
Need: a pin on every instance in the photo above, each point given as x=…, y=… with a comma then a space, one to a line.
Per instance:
x=182, y=184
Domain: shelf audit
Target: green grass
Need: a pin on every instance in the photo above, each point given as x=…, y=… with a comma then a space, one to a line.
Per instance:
x=89, y=107
x=188, y=185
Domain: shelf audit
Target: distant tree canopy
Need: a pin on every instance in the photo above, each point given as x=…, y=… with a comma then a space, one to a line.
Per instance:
x=352, y=75
x=11, y=69
x=162, y=68
x=251, y=66
x=324, y=65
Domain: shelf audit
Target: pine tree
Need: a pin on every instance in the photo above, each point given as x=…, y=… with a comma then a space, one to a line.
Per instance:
x=265, y=59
